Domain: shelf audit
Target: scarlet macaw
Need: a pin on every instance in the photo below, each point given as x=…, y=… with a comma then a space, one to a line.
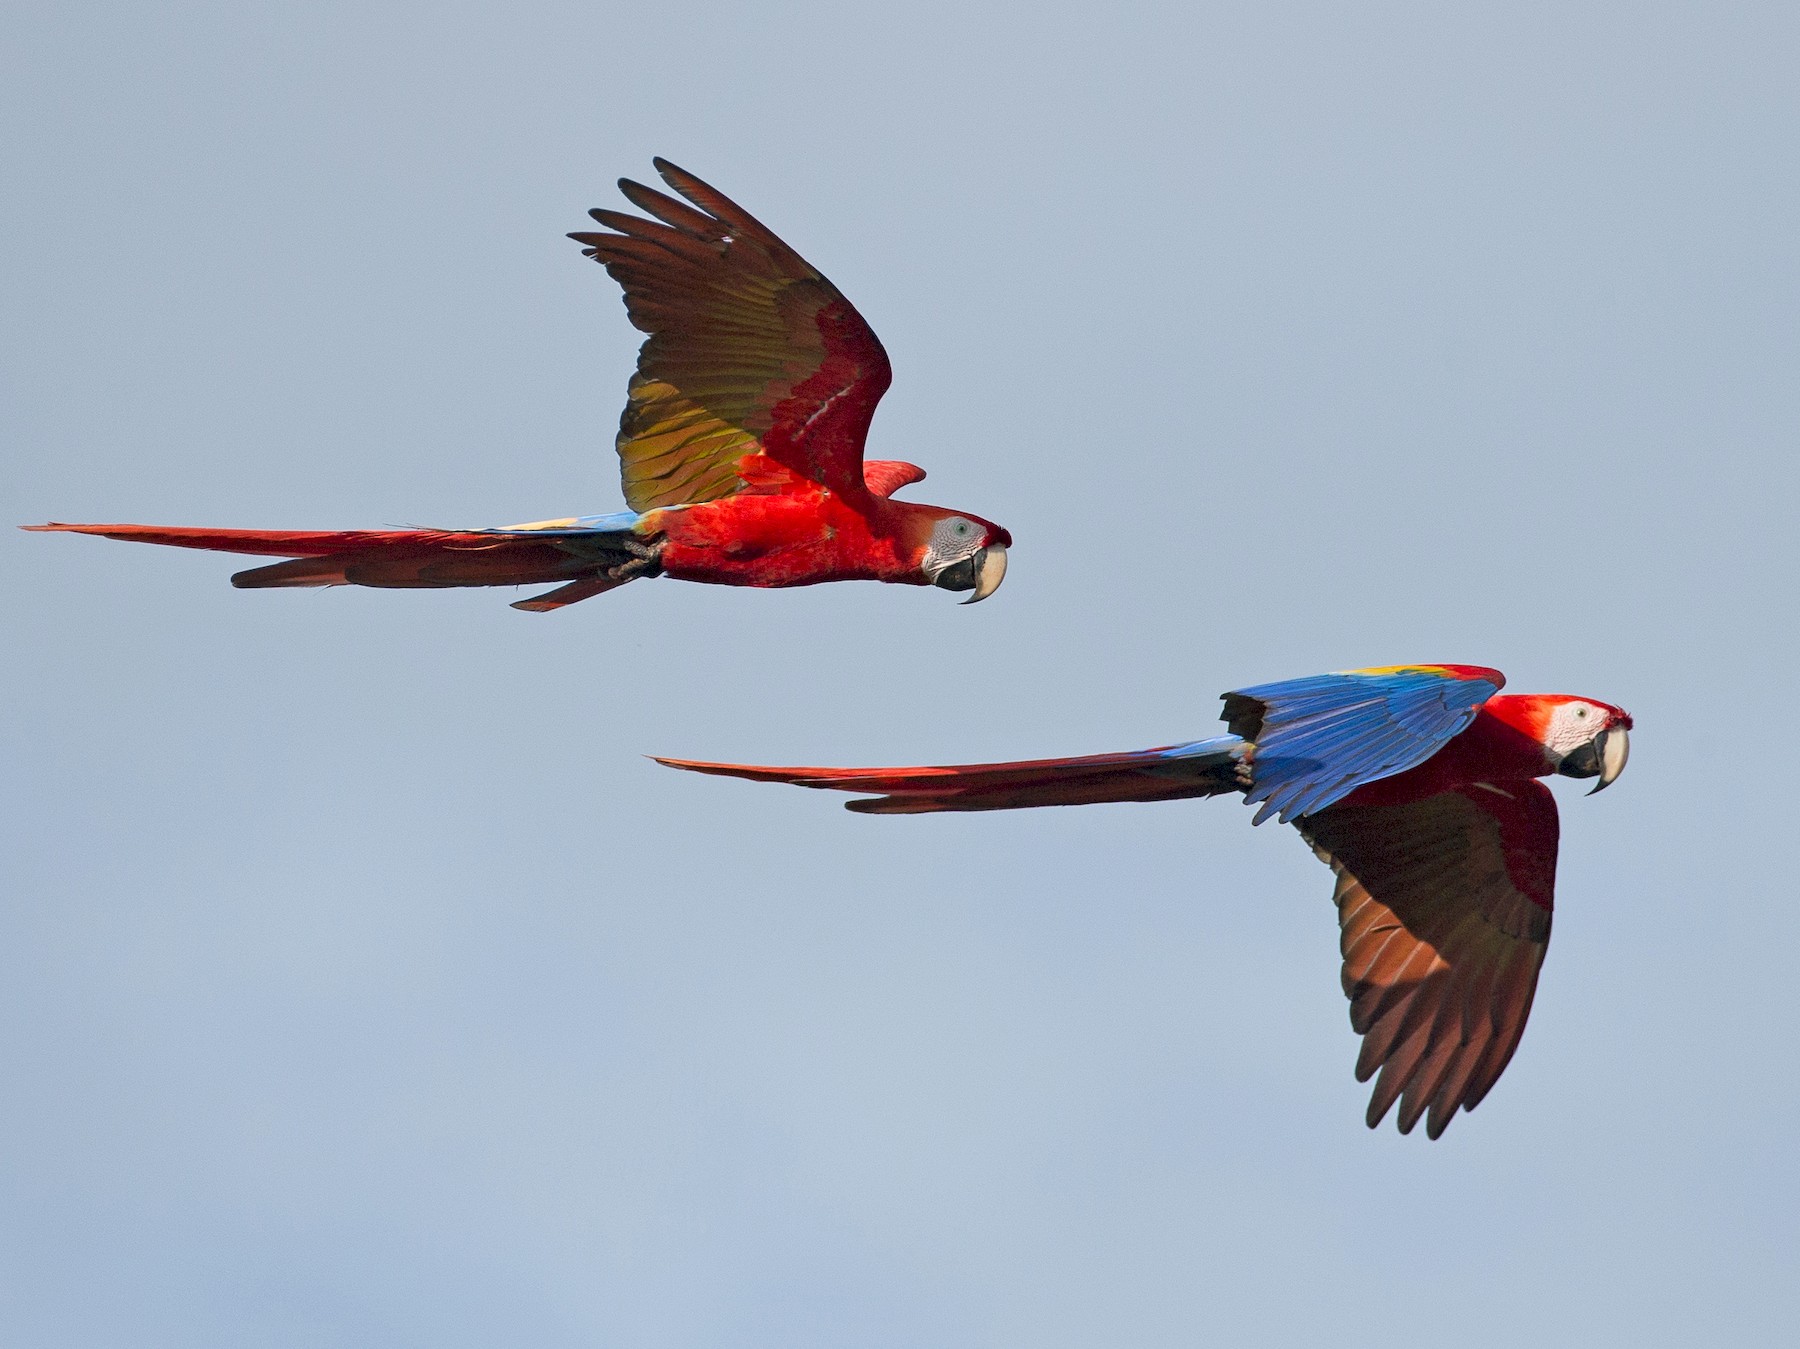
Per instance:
x=741, y=444
x=1415, y=784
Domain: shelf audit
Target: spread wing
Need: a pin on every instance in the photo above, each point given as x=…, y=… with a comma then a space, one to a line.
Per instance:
x=1318, y=739
x=1444, y=916
x=751, y=352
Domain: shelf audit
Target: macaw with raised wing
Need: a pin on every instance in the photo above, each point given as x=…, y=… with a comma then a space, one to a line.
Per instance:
x=1417, y=785
x=741, y=443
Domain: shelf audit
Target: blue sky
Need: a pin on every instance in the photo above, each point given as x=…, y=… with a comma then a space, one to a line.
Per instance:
x=361, y=982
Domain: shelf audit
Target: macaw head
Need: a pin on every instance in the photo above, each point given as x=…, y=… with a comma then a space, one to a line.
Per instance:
x=957, y=551
x=951, y=549
x=965, y=552
x=1581, y=738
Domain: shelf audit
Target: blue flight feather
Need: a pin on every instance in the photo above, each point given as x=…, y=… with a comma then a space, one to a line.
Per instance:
x=1322, y=737
x=619, y=522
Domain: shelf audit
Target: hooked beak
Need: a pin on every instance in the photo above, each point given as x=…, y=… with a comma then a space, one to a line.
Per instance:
x=1615, y=749
x=990, y=571
x=1602, y=757
x=981, y=571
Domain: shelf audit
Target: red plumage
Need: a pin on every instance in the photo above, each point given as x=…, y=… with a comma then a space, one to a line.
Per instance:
x=741, y=442
x=1442, y=841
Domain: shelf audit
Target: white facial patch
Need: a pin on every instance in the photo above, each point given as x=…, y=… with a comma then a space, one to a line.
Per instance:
x=1573, y=725
x=954, y=539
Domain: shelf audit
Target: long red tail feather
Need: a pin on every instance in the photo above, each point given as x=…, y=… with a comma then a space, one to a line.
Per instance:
x=1168, y=774
x=405, y=559
x=267, y=542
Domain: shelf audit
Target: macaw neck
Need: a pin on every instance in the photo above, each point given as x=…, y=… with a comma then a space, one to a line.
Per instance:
x=906, y=522
x=1497, y=746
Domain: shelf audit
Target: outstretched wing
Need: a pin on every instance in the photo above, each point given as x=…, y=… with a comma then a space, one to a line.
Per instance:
x=1444, y=916
x=750, y=352
x=1204, y=768
x=1318, y=739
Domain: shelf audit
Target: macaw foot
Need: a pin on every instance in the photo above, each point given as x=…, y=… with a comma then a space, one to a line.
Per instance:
x=632, y=570
x=611, y=571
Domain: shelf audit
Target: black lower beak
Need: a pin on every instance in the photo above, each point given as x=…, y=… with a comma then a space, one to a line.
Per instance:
x=1583, y=761
x=1602, y=757
x=959, y=575
x=982, y=571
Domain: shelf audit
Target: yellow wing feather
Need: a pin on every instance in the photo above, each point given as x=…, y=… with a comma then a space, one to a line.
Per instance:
x=750, y=351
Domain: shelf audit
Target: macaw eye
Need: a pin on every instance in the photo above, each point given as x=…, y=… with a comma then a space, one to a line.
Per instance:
x=1581, y=712
x=962, y=529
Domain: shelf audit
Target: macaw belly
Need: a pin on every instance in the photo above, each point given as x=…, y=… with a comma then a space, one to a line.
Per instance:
x=774, y=541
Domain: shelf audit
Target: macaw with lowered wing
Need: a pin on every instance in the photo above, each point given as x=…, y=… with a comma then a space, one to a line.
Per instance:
x=1417, y=785
x=741, y=444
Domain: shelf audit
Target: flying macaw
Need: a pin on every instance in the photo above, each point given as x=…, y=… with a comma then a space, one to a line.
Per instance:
x=741, y=444
x=1416, y=785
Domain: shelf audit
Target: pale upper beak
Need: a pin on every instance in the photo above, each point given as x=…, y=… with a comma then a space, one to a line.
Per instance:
x=990, y=571
x=1615, y=749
